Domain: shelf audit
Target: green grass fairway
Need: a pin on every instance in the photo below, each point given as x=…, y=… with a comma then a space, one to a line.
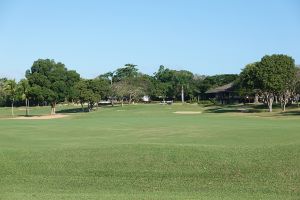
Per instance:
x=148, y=152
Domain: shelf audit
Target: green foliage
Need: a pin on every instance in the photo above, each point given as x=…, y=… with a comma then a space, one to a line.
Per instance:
x=90, y=91
x=273, y=75
x=126, y=72
x=23, y=88
x=2, y=91
x=249, y=77
x=297, y=84
x=276, y=73
x=107, y=76
x=216, y=80
x=51, y=82
x=11, y=89
x=170, y=82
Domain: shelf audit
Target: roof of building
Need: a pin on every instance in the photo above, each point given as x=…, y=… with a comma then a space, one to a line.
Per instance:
x=224, y=88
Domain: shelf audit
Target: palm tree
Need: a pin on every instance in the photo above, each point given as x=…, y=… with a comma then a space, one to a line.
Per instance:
x=24, y=88
x=11, y=89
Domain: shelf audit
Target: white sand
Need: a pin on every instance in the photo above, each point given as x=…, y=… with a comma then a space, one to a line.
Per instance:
x=57, y=116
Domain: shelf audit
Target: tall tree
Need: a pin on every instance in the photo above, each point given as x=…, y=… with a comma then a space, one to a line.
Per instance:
x=177, y=81
x=81, y=92
x=183, y=80
x=161, y=90
x=132, y=89
x=23, y=88
x=72, y=78
x=296, y=91
x=126, y=72
x=107, y=76
x=273, y=75
x=90, y=91
x=52, y=80
x=119, y=90
x=2, y=91
x=11, y=89
x=248, y=82
x=277, y=74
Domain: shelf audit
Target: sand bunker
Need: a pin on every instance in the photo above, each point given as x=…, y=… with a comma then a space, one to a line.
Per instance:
x=187, y=112
x=57, y=116
x=23, y=109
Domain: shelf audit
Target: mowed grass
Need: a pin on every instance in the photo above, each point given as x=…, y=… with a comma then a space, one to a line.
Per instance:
x=148, y=152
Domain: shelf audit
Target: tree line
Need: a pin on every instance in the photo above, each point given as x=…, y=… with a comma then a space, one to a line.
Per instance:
x=48, y=83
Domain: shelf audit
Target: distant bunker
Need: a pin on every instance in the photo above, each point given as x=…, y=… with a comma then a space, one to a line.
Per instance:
x=188, y=112
x=42, y=117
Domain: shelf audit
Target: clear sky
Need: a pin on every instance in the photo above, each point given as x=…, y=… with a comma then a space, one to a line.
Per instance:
x=93, y=37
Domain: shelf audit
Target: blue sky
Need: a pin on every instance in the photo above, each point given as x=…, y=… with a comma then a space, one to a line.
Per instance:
x=93, y=37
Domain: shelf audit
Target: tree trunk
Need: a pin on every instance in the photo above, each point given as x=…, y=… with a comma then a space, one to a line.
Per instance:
x=12, y=108
x=130, y=99
x=256, y=99
x=53, y=111
x=270, y=106
x=285, y=99
x=122, y=102
x=91, y=106
x=26, y=104
x=270, y=99
x=82, y=107
x=112, y=102
x=182, y=95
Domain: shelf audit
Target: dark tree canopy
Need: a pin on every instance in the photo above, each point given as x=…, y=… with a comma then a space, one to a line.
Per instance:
x=128, y=71
x=51, y=82
x=91, y=91
x=274, y=75
x=3, y=94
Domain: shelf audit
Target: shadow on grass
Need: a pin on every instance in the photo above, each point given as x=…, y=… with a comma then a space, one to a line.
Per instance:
x=291, y=113
x=72, y=110
x=85, y=109
x=16, y=116
x=252, y=108
x=237, y=108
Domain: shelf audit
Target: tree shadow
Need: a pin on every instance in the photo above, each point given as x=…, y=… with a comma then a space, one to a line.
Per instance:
x=72, y=110
x=253, y=108
x=29, y=115
x=237, y=108
x=291, y=113
x=85, y=109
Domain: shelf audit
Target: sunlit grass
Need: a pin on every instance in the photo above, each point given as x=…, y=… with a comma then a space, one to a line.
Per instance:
x=148, y=152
